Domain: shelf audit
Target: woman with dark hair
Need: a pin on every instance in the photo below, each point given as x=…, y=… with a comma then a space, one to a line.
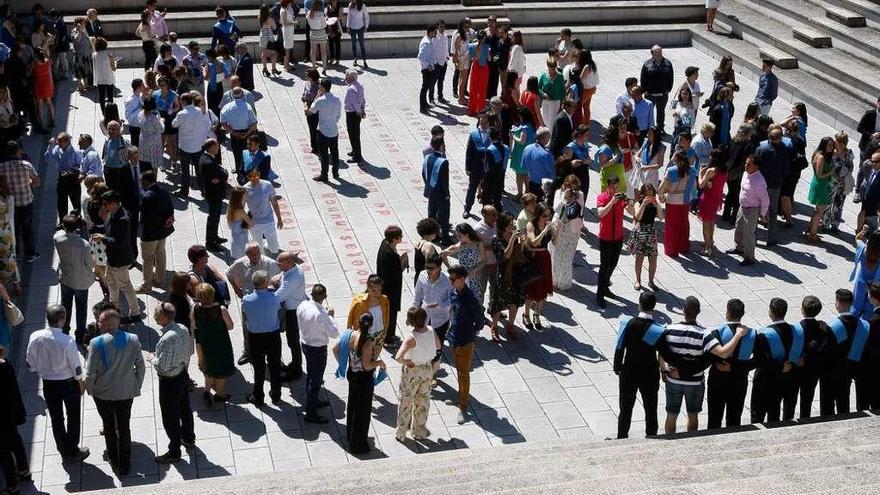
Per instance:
x=842, y=182
x=650, y=158
x=310, y=93
x=799, y=115
x=390, y=266
x=551, y=87
x=333, y=11
x=532, y=102
x=568, y=209
x=611, y=159
x=685, y=114
x=510, y=98
x=865, y=272
x=539, y=235
x=711, y=181
x=168, y=105
x=517, y=62
x=573, y=93
x=676, y=191
x=144, y=31
x=741, y=146
x=201, y=272
x=428, y=230
x=360, y=361
x=820, y=186
x=521, y=137
x=44, y=88
x=357, y=21
x=797, y=165
x=371, y=301
x=753, y=110
x=589, y=76
x=507, y=293
x=469, y=254
x=643, y=240
x=479, y=74
x=461, y=57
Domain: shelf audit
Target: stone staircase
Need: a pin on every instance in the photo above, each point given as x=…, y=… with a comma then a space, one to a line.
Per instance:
x=840, y=456
x=396, y=27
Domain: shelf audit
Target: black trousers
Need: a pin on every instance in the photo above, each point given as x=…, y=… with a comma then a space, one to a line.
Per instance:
x=358, y=410
x=215, y=209
x=111, y=177
x=841, y=380
x=116, y=419
x=238, y=144
x=177, y=416
x=105, y=95
x=474, y=180
x=328, y=152
x=439, y=77
x=353, y=126
x=455, y=75
x=316, y=363
x=334, y=44
x=647, y=384
x=62, y=396
x=492, y=83
x=24, y=228
x=187, y=160
x=609, y=255
x=790, y=386
x=438, y=209
x=810, y=377
x=493, y=189
x=867, y=388
x=766, y=396
x=265, y=351
x=427, y=84
x=731, y=201
x=134, y=214
x=150, y=55
x=726, y=391
x=135, y=133
x=392, y=326
x=291, y=332
x=659, y=102
x=68, y=188
x=13, y=456
x=312, y=121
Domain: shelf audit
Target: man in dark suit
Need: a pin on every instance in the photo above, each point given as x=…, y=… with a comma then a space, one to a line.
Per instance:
x=245, y=68
x=774, y=381
x=215, y=178
x=871, y=196
x=867, y=381
x=131, y=190
x=157, y=225
x=721, y=115
x=563, y=127
x=869, y=125
x=390, y=266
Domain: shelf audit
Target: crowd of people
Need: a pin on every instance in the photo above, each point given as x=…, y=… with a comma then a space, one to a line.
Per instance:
x=188, y=105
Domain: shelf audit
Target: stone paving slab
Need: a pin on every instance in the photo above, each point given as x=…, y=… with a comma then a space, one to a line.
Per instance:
x=555, y=383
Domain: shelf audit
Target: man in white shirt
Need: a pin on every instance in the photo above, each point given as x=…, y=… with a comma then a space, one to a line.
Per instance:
x=54, y=357
x=426, y=63
x=432, y=292
x=440, y=47
x=133, y=106
x=194, y=129
x=317, y=327
x=177, y=50
x=291, y=291
x=624, y=98
x=328, y=108
x=239, y=277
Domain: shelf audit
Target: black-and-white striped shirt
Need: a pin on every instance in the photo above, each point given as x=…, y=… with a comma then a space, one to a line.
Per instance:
x=689, y=341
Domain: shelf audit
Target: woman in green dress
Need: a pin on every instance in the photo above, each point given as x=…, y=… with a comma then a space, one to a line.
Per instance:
x=211, y=324
x=820, y=186
x=521, y=137
x=611, y=159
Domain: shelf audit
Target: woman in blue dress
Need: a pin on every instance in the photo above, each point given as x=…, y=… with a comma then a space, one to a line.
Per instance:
x=865, y=271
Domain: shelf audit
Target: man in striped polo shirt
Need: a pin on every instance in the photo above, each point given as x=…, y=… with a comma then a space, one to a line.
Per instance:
x=689, y=346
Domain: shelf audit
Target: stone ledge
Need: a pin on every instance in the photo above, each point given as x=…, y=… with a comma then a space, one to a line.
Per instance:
x=780, y=58
x=811, y=37
x=845, y=17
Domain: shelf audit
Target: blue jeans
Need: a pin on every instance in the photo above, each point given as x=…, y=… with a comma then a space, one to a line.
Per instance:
x=82, y=299
x=357, y=35
x=316, y=363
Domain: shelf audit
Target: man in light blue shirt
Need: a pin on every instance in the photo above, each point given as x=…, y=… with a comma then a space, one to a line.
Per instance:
x=328, y=108
x=90, y=160
x=538, y=163
x=260, y=309
x=239, y=120
x=643, y=110
x=235, y=82
x=133, y=106
x=67, y=161
x=291, y=283
x=768, y=87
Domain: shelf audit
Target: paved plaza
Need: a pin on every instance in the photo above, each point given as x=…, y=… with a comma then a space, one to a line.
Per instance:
x=549, y=384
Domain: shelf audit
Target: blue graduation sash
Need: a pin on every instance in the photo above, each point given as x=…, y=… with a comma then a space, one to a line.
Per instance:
x=120, y=340
x=777, y=350
x=746, y=344
x=431, y=169
x=343, y=353
x=652, y=334
x=859, y=341
x=797, y=343
x=838, y=329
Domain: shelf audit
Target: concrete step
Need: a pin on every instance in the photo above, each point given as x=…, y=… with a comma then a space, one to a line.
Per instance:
x=841, y=112
x=811, y=37
x=79, y=7
x=846, y=17
x=867, y=8
x=780, y=59
x=382, y=44
x=861, y=42
x=405, y=17
x=760, y=25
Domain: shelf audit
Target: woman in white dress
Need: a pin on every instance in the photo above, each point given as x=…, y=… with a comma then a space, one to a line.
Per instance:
x=568, y=209
x=318, y=35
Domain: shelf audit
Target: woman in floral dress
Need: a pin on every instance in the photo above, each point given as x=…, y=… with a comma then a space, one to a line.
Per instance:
x=8, y=268
x=568, y=209
x=842, y=182
x=506, y=293
x=469, y=255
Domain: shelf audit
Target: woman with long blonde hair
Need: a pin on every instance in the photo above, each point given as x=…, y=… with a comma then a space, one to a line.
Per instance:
x=239, y=222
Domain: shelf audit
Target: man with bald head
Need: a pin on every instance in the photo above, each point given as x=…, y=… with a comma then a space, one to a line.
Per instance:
x=114, y=155
x=261, y=311
x=247, y=95
x=240, y=275
x=291, y=292
x=773, y=157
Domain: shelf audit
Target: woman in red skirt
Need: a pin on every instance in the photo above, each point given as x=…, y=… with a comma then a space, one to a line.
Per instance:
x=676, y=190
x=539, y=233
x=41, y=71
x=479, y=76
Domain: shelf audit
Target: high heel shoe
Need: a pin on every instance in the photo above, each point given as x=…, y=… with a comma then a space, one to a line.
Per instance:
x=537, y=322
x=527, y=322
x=494, y=332
x=276, y=72
x=265, y=72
